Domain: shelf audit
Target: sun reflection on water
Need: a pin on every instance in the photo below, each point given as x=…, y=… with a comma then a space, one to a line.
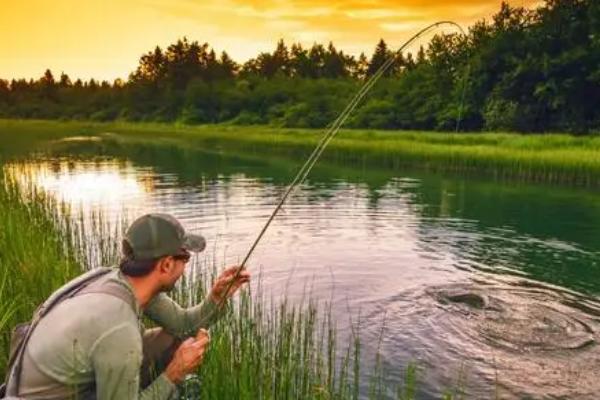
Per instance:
x=99, y=186
x=98, y=197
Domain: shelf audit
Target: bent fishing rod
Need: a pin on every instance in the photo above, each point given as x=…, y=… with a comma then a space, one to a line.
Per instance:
x=326, y=138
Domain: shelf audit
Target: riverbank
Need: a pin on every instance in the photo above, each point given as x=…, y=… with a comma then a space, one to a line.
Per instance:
x=549, y=158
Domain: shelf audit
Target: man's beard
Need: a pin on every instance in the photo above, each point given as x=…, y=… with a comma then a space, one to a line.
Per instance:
x=168, y=288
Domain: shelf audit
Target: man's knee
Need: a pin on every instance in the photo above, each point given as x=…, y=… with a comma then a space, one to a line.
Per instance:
x=158, y=344
x=158, y=349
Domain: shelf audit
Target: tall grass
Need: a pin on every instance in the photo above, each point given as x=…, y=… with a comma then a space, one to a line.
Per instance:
x=261, y=349
x=8, y=305
x=267, y=350
x=35, y=257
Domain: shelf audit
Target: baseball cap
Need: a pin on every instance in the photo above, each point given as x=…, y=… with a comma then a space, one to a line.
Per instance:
x=158, y=235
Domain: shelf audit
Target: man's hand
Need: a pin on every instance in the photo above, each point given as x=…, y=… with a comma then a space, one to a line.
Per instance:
x=187, y=357
x=217, y=293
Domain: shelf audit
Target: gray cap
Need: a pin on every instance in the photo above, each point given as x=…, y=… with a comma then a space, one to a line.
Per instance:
x=158, y=235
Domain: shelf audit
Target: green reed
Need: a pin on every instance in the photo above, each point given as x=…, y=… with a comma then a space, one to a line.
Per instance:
x=35, y=257
x=271, y=349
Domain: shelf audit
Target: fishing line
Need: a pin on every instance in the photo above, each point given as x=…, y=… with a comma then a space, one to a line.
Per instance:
x=330, y=133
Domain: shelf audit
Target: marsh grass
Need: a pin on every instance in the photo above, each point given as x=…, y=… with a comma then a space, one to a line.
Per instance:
x=548, y=158
x=7, y=306
x=35, y=257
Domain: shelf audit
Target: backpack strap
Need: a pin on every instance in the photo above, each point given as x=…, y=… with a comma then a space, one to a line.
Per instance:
x=110, y=288
x=70, y=289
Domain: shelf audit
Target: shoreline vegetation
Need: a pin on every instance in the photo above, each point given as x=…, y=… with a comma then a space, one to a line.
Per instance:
x=550, y=158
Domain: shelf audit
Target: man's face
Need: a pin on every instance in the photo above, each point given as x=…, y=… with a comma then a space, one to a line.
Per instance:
x=176, y=267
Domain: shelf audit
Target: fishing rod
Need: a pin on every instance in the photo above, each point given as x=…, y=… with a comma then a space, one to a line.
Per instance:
x=329, y=134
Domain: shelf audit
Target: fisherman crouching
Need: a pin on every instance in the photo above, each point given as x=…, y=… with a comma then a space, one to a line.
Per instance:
x=87, y=341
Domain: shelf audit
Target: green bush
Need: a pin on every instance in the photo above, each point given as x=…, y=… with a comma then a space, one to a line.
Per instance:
x=500, y=114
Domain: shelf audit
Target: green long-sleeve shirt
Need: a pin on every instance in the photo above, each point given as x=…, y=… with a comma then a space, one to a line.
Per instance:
x=90, y=346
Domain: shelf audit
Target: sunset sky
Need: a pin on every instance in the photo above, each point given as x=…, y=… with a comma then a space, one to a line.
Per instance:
x=104, y=39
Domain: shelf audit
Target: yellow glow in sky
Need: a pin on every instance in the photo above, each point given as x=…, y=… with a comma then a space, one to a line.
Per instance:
x=104, y=39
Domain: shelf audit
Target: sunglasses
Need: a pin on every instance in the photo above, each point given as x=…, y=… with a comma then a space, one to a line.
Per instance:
x=185, y=257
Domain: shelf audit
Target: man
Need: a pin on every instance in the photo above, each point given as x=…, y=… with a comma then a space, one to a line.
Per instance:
x=93, y=345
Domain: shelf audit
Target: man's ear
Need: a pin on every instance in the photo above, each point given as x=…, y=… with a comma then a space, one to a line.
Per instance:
x=165, y=265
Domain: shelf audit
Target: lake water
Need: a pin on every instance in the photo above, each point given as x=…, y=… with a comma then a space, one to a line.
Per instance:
x=486, y=285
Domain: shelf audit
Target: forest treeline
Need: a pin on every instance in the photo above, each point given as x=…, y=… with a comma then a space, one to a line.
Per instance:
x=523, y=70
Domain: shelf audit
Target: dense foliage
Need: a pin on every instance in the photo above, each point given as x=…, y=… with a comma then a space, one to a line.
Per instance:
x=525, y=70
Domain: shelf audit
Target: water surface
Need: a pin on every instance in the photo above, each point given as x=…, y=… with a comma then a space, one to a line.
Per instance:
x=486, y=285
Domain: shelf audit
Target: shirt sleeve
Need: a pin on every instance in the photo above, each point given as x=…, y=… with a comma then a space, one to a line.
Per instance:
x=117, y=359
x=182, y=322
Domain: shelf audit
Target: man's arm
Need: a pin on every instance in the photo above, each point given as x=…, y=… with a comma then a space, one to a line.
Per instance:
x=179, y=321
x=186, y=322
x=117, y=359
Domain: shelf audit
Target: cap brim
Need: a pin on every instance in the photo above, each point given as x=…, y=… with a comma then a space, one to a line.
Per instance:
x=194, y=243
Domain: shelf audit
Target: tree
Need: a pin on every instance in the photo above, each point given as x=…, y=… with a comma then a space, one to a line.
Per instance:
x=316, y=60
x=300, y=64
x=65, y=81
x=268, y=65
x=4, y=91
x=228, y=67
x=281, y=58
x=361, y=67
x=185, y=61
x=48, y=78
x=421, y=58
x=48, y=85
x=151, y=67
x=334, y=63
x=380, y=56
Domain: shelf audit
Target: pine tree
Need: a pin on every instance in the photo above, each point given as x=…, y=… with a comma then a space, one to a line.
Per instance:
x=151, y=66
x=48, y=79
x=4, y=91
x=48, y=85
x=299, y=61
x=421, y=59
x=334, y=63
x=380, y=56
x=65, y=81
x=281, y=58
x=361, y=68
x=316, y=60
x=228, y=66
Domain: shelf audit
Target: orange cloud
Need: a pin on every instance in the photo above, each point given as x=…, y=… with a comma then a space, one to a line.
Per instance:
x=354, y=25
x=104, y=38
